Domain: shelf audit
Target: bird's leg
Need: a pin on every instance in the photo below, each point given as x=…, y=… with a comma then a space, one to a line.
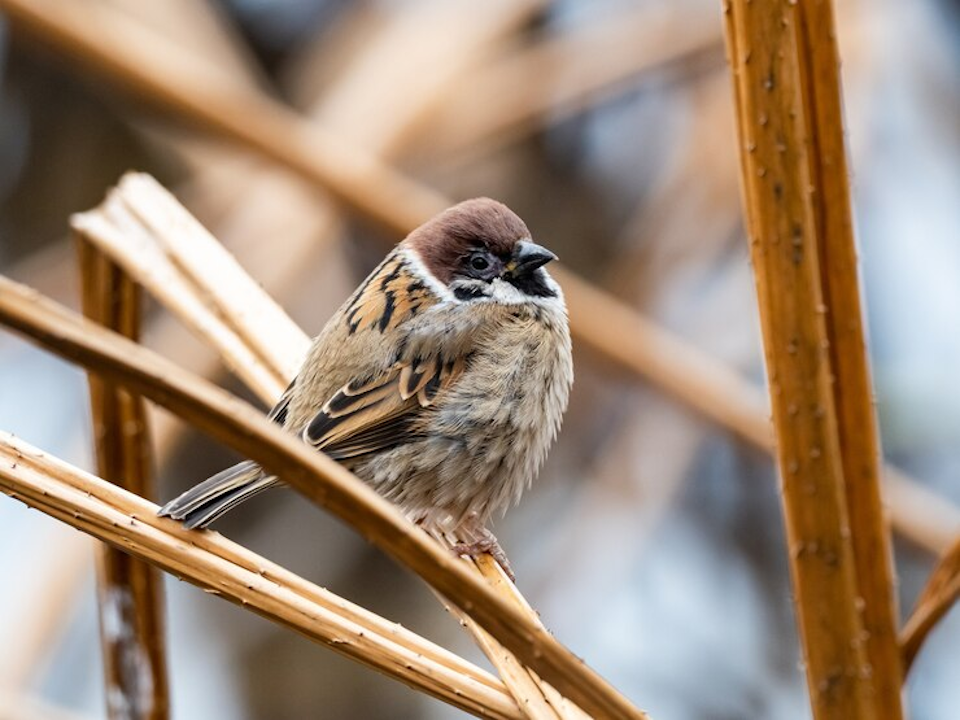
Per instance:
x=476, y=539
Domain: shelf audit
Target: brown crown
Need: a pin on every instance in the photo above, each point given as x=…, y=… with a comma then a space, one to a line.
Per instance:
x=442, y=241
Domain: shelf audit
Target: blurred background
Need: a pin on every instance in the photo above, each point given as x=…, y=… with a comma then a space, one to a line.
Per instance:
x=652, y=544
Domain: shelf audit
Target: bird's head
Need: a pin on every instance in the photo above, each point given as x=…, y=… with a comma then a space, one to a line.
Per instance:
x=482, y=251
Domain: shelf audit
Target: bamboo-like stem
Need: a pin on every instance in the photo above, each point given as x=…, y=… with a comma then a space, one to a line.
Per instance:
x=789, y=130
x=145, y=231
x=852, y=384
x=314, y=475
x=130, y=592
x=224, y=568
x=139, y=196
x=126, y=53
x=539, y=700
x=525, y=684
x=938, y=596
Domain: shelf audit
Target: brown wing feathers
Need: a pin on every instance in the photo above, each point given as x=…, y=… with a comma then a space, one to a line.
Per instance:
x=383, y=413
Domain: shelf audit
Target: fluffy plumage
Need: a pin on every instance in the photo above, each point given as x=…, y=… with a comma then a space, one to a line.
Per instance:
x=441, y=381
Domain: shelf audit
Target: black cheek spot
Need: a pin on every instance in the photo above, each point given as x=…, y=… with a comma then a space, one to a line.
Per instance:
x=469, y=293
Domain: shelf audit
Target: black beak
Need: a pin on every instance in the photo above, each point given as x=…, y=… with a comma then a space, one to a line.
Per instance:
x=527, y=257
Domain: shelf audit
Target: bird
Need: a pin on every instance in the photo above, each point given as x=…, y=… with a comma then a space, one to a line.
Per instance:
x=441, y=381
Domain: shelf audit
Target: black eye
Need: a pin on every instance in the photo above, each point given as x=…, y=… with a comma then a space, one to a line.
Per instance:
x=479, y=262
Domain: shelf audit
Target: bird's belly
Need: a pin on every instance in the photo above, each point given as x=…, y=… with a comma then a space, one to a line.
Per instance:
x=481, y=449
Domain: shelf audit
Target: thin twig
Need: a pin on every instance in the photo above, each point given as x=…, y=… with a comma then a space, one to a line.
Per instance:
x=315, y=476
x=153, y=68
x=224, y=568
x=539, y=700
x=786, y=133
x=130, y=592
x=937, y=597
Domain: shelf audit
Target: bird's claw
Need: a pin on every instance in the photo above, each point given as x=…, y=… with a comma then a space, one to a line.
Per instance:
x=486, y=545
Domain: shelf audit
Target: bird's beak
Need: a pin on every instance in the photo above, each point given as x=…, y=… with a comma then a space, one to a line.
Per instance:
x=527, y=257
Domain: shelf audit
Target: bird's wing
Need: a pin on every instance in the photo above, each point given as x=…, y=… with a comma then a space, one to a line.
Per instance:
x=279, y=412
x=380, y=414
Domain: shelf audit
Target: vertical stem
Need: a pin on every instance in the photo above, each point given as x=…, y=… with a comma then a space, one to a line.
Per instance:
x=797, y=207
x=129, y=590
x=853, y=385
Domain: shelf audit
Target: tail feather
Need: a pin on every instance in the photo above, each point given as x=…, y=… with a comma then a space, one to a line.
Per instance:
x=201, y=505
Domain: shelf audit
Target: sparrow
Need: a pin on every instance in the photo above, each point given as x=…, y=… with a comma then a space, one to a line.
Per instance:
x=441, y=382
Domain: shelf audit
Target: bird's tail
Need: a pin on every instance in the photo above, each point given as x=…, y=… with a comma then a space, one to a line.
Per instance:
x=201, y=505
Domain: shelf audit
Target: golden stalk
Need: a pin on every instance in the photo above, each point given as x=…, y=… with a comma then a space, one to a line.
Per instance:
x=314, y=475
x=852, y=384
x=539, y=700
x=224, y=568
x=130, y=592
x=786, y=85
x=150, y=67
x=937, y=597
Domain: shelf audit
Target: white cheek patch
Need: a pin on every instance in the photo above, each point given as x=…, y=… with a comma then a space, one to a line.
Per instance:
x=416, y=264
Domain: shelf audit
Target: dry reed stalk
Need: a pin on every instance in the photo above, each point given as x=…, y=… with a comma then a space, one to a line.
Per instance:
x=150, y=235
x=539, y=700
x=129, y=591
x=786, y=85
x=111, y=230
x=223, y=568
x=138, y=60
x=141, y=196
x=312, y=474
x=937, y=597
x=561, y=75
x=852, y=384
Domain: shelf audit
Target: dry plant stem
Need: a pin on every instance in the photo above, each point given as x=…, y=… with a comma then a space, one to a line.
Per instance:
x=852, y=383
x=229, y=570
x=498, y=579
x=770, y=54
x=539, y=700
x=137, y=59
x=314, y=475
x=164, y=248
x=130, y=592
x=116, y=228
x=515, y=675
x=938, y=596
x=242, y=304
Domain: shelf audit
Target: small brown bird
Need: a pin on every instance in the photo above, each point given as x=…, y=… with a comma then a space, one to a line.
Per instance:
x=441, y=382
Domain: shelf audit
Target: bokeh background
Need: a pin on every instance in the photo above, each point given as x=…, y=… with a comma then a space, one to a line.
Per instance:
x=652, y=543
